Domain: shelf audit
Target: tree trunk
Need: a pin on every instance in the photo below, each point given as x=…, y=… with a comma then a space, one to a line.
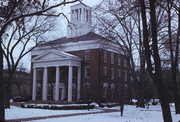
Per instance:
x=157, y=76
x=173, y=59
x=8, y=95
x=175, y=90
x=8, y=90
x=162, y=89
x=138, y=84
x=175, y=70
x=2, y=113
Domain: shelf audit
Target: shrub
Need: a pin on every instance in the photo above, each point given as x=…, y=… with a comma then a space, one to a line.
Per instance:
x=58, y=107
x=18, y=99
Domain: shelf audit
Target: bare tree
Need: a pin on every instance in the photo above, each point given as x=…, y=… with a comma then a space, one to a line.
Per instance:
x=155, y=70
x=21, y=35
x=13, y=10
x=172, y=11
x=120, y=21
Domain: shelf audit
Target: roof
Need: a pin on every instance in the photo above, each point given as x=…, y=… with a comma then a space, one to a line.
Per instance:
x=86, y=37
x=79, y=5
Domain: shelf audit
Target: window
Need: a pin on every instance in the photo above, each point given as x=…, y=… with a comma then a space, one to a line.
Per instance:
x=86, y=89
x=80, y=10
x=112, y=73
x=112, y=89
x=125, y=62
x=87, y=72
x=105, y=56
x=112, y=58
x=105, y=71
x=119, y=73
x=87, y=55
x=105, y=88
x=87, y=16
x=125, y=75
x=119, y=60
x=76, y=14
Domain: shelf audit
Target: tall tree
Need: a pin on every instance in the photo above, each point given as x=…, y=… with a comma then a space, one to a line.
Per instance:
x=173, y=45
x=169, y=31
x=22, y=34
x=13, y=10
x=154, y=70
x=119, y=21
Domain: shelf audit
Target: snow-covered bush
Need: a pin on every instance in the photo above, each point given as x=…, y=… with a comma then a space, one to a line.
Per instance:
x=59, y=107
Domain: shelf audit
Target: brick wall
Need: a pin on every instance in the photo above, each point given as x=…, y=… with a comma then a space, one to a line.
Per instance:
x=96, y=79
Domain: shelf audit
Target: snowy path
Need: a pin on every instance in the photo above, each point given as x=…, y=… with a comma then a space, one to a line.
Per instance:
x=131, y=114
x=63, y=115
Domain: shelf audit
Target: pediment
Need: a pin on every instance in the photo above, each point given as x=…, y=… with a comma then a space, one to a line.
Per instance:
x=54, y=55
x=51, y=56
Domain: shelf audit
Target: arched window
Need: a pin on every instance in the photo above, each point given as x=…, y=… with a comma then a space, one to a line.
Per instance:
x=105, y=88
x=86, y=89
x=112, y=89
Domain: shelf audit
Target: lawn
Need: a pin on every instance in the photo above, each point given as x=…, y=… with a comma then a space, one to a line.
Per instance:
x=131, y=114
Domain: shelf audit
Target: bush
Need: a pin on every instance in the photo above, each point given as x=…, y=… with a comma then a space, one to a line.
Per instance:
x=18, y=99
x=58, y=107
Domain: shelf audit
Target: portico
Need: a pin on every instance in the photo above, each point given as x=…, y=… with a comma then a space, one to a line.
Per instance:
x=57, y=60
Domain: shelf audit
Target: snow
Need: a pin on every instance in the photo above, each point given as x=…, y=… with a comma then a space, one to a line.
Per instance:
x=54, y=105
x=17, y=112
x=95, y=104
x=131, y=114
x=134, y=100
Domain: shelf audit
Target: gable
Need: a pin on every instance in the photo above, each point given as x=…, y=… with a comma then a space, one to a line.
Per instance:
x=51, y=56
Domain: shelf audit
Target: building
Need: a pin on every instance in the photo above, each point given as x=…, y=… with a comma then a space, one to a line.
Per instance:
x=20, y=85
x=83, y=65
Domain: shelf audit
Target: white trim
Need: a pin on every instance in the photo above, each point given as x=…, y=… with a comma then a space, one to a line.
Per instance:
x=69, y=60
x=80, y=45
x=60, y=53
x=56, y=63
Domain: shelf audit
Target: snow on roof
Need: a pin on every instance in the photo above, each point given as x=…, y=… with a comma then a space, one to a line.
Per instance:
x=86, y=37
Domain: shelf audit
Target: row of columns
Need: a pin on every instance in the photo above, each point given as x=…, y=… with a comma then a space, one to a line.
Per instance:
x=81, y=14
x=45, y=84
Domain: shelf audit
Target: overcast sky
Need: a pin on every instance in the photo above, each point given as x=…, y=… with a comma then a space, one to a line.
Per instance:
x=59, y=30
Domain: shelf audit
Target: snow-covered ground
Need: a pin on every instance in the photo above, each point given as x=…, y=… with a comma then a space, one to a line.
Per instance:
x=131, y=114
x=18, y=113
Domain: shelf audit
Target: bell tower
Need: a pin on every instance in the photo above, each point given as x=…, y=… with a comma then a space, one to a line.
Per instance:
x=80, y=21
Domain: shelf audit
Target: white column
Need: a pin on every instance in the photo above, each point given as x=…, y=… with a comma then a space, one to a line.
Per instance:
x=79, y=83
x=34, y=85
x=45, y=84
x=57, y=84
x=70, y=84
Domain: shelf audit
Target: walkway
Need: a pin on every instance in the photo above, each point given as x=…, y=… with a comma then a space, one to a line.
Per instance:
x=64, y=115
